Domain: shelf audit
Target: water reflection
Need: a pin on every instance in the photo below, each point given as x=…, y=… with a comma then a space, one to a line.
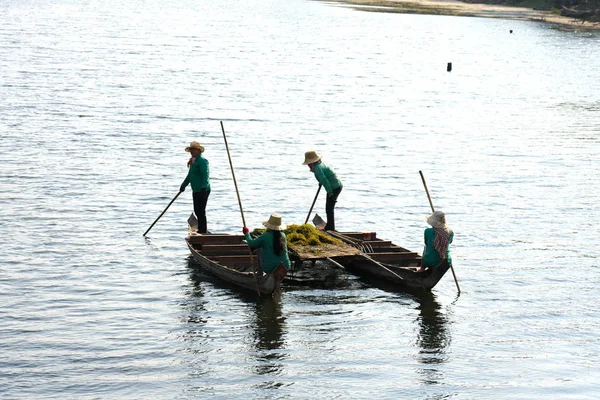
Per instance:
x=194, y=308
x=433, y=338
x=265, y=322
x=270, y=321
x=269, y=330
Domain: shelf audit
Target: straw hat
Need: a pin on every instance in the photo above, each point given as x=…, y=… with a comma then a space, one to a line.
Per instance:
x=274, y=223
x=195, y=145
x=437, y=219
x=311, y=157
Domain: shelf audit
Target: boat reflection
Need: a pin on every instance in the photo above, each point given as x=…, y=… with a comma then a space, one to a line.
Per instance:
x=266, y=323
x=269, y=324
x=433, y=338
x=269, y=339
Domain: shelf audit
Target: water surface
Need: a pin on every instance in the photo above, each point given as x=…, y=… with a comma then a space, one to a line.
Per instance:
x=99, y=99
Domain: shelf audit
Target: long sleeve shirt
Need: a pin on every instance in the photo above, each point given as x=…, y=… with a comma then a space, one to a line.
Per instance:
x=198, y=175
x=431, y=258
x=326, y=177
x=270, y=259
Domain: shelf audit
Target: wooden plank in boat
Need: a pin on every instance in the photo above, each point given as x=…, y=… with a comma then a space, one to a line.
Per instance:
x=215, y=239
x=225, y=249
x=378, y=243
x=392, y=256
x=360, y=235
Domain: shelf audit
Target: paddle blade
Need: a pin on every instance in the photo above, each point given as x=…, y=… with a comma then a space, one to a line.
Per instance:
x=193, y=222
x=318, y=222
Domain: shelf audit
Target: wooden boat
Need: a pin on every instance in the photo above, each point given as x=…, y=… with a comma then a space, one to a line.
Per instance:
x=383, y=260
x=228, y=257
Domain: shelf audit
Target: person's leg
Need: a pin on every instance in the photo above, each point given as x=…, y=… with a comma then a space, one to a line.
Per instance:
x=197, y=208
x=202, y=224
x=329, y=209
x=200, y=200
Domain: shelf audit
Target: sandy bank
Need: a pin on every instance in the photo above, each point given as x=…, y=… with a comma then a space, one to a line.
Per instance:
x=452, y=7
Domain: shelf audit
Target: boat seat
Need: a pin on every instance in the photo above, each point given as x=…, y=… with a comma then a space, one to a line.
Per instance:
x=224, y=249
x=215, y=239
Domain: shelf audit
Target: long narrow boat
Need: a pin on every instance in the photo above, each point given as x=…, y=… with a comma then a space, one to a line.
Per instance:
x=227, y=257
x=384, y=260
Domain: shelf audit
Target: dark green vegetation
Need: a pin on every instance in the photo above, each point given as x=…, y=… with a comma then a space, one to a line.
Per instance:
x=304, y=235
x=588, y=10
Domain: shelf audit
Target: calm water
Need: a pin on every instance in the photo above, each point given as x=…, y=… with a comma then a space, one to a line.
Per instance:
x=98, y=101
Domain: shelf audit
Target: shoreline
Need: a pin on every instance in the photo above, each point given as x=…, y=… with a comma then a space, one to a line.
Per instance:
x=458, y=8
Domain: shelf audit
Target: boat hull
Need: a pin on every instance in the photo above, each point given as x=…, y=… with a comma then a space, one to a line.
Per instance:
x=227, y=264
x=385, y=261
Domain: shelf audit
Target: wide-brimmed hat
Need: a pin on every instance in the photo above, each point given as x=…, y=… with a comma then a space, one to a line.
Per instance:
x=437, y=219
x=195, y=145
x=311, y=157
x=274, y=223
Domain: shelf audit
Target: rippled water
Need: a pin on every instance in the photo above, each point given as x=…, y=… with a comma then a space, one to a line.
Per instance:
x=100, y=98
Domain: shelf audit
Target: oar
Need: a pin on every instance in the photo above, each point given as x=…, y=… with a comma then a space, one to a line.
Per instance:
x=313, y=204
x=433, y=210
x=240, y=203
x=161, y=214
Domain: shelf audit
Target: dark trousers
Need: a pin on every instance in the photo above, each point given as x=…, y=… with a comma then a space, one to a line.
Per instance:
x=329, y=207
x=200, y=200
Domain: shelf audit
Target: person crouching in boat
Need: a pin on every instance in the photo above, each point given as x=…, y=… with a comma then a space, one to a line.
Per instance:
x=272, y=244
x=199, y=176
x=437, y=242
x=325, y=176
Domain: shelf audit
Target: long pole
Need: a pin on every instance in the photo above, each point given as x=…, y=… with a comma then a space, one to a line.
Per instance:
x=426, y=191
x=240, y=203
x=313, y=204
x=433, y=210
x=161, y=214
x=233, y=174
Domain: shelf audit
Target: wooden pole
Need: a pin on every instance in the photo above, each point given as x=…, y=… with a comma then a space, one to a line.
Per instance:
x=426, y=191
x=233, y=174
x=313, y=204
x=161, y=214
x=240, y=203
x=433, y=210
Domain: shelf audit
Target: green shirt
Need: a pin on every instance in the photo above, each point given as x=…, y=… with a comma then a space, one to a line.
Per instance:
x=326, y=177
x=431, y=257
x=270, y=259
x=198, y=175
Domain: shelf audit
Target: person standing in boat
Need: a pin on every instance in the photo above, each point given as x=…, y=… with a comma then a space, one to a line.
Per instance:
x=437, y=242
x=199, y=176
x=272, y=244
x=328, y=179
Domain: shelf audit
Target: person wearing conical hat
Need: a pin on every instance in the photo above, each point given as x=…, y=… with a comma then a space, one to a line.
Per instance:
x=437, y=241
x=326, y=177
x=273, y=244
x=199, y=176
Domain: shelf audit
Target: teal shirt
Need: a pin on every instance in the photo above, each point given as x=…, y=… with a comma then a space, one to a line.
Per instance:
x=326, y=177
x=430, y=257
x=198, y=175
x=270, y=259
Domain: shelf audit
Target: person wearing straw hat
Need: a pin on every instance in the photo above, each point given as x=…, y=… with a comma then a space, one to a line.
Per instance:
x=272, y=244
x=328, y=179
x=199, y=176
x=437, y=242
